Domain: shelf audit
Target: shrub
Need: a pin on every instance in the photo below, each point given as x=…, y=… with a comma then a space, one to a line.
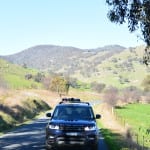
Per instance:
x=97, y=86
x=39, y=77
x=111, y=96
x=146, y=83
x=131, y=95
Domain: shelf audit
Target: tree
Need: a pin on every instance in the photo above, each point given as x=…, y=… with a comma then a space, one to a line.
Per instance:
x=38, y=77
x=111, y=97
x=97, y=86
x=59, y=85
x=24, y=65
x=146, y=83
x=131, y=94
x=136, y=14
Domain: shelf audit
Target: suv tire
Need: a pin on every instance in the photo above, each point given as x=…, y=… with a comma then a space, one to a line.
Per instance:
x=95, y=147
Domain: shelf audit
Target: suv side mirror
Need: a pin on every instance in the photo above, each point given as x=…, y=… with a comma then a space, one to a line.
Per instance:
x=98, y=116
x=48, y=115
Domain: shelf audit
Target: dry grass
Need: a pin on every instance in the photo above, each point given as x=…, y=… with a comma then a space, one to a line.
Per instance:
x=15, y=97
x=108, y=118
x=84, y=95
x=113, y=131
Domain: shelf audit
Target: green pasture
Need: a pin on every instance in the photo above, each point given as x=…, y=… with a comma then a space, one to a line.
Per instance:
x=136, y=117
x=14, y=76
x=16, y=82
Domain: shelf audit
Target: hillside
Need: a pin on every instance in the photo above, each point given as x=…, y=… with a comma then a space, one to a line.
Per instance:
x=112, y=65
x=13, y=76
x=55, y=57
x=120, y=70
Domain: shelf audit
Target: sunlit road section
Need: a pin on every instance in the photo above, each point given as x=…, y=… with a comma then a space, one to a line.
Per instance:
x=31, y=137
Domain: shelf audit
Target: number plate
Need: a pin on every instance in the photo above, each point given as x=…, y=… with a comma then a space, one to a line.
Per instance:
x=72, y=134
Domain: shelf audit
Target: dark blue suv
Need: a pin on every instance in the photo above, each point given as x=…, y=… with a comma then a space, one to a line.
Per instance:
x=72, y=124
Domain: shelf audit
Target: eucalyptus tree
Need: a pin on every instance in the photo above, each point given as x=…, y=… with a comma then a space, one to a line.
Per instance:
x=136, y=13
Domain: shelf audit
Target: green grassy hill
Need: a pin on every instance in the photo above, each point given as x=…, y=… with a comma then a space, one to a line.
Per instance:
x=13, y=76
x=120, y=70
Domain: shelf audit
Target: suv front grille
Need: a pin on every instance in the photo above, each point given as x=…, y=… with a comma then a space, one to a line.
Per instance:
x=71, y=128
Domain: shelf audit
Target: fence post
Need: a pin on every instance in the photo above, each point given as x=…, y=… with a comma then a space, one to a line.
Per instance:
x=137, y=139
x=143, y=143
x=124, y=123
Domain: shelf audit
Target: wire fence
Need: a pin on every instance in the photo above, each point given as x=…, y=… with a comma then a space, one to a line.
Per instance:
x=136, y=140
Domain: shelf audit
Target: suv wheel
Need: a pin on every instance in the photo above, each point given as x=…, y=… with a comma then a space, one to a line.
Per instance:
x=94, y=147
x=47, y=148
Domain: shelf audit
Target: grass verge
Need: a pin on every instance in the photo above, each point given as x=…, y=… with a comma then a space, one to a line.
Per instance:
x=113, y=140
x=19, y=114
x=137, y=117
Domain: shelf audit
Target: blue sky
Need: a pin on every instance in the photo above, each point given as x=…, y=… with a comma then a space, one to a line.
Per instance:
x=78, y=23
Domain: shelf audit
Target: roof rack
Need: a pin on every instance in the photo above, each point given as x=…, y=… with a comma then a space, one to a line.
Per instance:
x=72, y=100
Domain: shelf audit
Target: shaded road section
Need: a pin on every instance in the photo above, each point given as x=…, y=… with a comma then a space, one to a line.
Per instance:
x=31, y=137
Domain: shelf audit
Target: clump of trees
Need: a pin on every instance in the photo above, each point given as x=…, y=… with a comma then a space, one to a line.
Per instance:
x=131, y=95
x=56, y=83
x=37, y=78
x=113, y=96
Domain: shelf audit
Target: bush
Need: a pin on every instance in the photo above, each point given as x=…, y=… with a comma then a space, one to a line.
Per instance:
x=39, y=77
x=111, y=96
x=146, y=83
x=59, y=85
x=131, y=95
x=97, y=86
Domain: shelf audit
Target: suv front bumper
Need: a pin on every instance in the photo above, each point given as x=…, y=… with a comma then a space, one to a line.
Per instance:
x=71, y=139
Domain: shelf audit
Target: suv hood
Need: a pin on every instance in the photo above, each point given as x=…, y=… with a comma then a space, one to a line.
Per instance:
x=74, y=122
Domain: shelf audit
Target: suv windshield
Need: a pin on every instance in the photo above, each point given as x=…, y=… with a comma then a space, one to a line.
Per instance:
x=73, y=113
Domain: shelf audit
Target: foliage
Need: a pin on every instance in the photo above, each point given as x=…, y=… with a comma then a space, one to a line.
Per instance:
x=146, y=83
x=136, y=13
x=147, y=97
x=59, y=85
x=38, y=77
x=97, y=86
x=28, y=76
x=131, y=95
x=111, y=96
x=6, y=121
x=24, y=65
x=46, y=82
x=73, y=82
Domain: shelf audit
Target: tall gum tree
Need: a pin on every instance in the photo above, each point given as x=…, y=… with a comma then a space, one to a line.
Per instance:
x=137, y=14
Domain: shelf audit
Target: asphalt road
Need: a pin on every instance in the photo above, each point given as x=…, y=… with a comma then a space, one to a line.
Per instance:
x=31, y=137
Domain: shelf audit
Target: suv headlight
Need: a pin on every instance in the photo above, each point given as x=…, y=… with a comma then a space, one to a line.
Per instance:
x=51, y=126
x=90, y=128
